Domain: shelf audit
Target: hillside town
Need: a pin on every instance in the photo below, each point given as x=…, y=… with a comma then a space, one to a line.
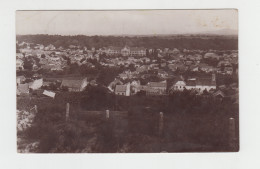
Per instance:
x=128, y=98
x=143, y=70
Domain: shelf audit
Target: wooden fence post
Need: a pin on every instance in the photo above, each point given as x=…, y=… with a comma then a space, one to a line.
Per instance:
x=67, y=111
x=161, y=124
x=232, y=132
x=107, y=114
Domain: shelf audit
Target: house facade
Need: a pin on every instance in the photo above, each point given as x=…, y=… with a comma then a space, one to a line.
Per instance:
x=156, y=88
x=126, y=51
x=123, y=90
x=199, y=84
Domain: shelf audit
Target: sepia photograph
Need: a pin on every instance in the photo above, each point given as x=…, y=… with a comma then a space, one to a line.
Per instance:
x=127, y=81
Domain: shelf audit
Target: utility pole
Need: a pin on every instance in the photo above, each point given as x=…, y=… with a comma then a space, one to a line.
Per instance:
x=160, y=129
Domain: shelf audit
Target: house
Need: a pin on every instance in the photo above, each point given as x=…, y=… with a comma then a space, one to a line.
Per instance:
x=173, y=51
x=162, y=73
x=135, y=83
x=20, y=79
x=23, y=89
x=19, y=64
x=56, y=67
x=50, y=47
x=205, y=84
x=228, y=70
x=197, y=57
x=179, y=84
x=48, y=93
x=123, y=90
x=142, y=68
x=38, y=46
x=36, y=84
x=206, y=68
x=156, y=88
x=194, y=68
x=224, y=63
x=135, y=86
x=74, y=85
x=123, y=76
x=113, y=84
x=211, y=56
x=177, y=66
x=19, y=55
x=199, y=84
x=47, y=84
x=218, y=95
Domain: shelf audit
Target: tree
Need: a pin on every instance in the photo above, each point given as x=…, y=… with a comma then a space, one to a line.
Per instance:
x=28, y=64
x=97, y=98
x=64, y=88
x=107, y=75
x=74, y=68
x=132, y=67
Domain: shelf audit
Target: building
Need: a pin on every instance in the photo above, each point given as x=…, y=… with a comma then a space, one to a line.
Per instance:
x=22, y=89
x=156, y=88
x=50, y=47
x=137, y=51
x=113, y=84
x=74, y=85
x=20, y=79
x=19, y=55
x=126, y=51
x=36, y=84
x=123, y=90
x=162, y=73
x=211, y=56
x=113, y=51
x=199, y=84
x=19, y=64
x=179, y=85
x=49, y=93
x=206, y=68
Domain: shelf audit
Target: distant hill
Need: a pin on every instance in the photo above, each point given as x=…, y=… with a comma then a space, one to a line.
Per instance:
x=223, y=32
x=180, y=41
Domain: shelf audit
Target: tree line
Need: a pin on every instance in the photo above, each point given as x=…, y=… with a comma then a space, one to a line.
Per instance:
x=180, y=42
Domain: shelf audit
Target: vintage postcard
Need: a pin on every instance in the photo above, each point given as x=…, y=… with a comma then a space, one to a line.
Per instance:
x=127, y=81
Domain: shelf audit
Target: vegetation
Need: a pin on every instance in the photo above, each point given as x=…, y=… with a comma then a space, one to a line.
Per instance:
x=191, y=123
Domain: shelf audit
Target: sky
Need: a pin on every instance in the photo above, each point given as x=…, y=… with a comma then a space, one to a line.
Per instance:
x=133, y=22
